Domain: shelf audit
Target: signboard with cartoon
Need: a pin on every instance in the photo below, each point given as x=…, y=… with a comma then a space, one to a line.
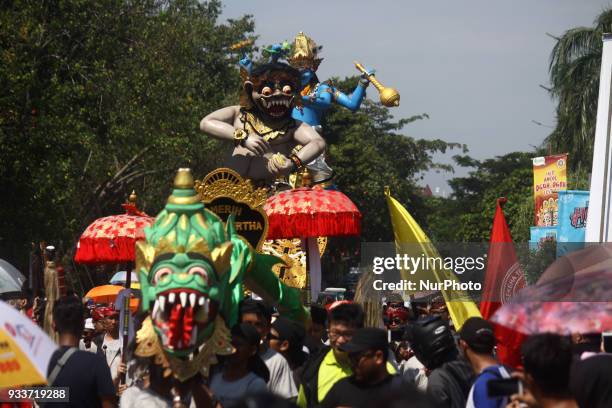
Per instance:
x=549, y=177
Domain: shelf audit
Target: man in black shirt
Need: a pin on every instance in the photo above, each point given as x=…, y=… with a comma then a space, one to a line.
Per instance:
x=85, y=374
x=367, y=351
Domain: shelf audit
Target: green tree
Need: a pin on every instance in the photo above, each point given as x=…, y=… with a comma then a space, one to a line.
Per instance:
x=467, y=216
x=574, y=75
x=101, y=98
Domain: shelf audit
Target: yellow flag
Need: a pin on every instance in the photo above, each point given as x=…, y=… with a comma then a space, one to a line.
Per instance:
x=409, y=237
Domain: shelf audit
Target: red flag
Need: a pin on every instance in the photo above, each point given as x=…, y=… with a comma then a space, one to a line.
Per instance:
x=503, y=279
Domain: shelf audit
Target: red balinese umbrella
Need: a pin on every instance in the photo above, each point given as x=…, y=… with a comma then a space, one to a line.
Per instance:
x=311, y=212
x=112, y=239
x=308, y=213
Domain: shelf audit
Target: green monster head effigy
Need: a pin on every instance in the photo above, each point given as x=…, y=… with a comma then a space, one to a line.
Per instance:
x=190, y=269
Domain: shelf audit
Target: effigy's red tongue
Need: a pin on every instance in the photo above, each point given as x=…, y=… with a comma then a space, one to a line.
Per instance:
x=187, y=326
x=175, y=325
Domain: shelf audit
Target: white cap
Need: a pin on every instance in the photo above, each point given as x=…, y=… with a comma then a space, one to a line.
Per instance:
x=89, y=324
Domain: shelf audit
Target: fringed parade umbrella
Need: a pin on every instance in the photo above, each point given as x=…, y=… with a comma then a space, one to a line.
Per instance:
x=112, y=239
x=308, y=213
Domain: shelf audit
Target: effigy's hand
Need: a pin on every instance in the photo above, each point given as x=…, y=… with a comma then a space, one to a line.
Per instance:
x=257, y=145
x=279, y=165
x=365, y=80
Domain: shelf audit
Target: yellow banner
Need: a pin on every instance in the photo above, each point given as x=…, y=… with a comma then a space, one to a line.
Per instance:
x=549, y=177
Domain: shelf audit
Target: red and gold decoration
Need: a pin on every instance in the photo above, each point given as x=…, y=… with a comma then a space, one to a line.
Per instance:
x=308, y=213
x=311, y=212
x=112, y=238
x=292, y=272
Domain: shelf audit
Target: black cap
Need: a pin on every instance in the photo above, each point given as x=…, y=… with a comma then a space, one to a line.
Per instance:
x=368, y=338
x=289, y=330
x=478, y=334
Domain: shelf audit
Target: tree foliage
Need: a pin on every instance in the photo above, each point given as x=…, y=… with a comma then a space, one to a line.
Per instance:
x=105, y=97
x=101, y=98
x=369, y=151
x=574, y=75
x=467, y=216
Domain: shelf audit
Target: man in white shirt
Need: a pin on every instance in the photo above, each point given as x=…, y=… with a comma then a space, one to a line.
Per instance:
x=257, y=314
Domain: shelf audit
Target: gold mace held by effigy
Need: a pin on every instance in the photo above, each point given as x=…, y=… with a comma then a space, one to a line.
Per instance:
x=388, y=96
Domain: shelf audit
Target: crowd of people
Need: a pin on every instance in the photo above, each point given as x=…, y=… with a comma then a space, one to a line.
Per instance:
x=416, y=360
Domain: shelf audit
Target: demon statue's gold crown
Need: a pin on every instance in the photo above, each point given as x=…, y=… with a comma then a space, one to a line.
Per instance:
x=304, y=52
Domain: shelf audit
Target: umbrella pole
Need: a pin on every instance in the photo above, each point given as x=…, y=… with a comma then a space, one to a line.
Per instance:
x=304, y=244
x=126, y=320
x=313, y=264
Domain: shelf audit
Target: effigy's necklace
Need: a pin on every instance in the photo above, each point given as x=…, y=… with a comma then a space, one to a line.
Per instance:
x=253, y=124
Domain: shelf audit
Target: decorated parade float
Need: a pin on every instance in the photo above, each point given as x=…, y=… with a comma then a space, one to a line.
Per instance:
x=257, y=226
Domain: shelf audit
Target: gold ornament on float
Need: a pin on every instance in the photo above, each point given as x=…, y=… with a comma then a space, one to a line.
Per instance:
x=293, y=272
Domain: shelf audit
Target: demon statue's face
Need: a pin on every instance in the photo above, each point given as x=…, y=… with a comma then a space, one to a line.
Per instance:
x=273, y=89
x=187, y=267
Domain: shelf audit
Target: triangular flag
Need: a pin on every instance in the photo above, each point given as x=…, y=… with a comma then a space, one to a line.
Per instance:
x=407, y=231
x=503, y=279
x=503, y=276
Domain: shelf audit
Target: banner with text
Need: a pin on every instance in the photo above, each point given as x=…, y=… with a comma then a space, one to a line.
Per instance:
x=549, y=177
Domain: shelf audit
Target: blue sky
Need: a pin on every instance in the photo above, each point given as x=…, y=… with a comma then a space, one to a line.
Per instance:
x=474, y=66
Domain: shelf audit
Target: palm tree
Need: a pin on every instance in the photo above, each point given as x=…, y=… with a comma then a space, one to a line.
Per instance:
x=574, y=75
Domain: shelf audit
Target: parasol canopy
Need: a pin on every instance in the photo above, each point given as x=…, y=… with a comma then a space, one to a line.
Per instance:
x=311, y=212
x=119, y=279
x=108, y=294
x=104, y=293
x=112, y=238
x=548, y=307
x=11, y=280
x=26, y=349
